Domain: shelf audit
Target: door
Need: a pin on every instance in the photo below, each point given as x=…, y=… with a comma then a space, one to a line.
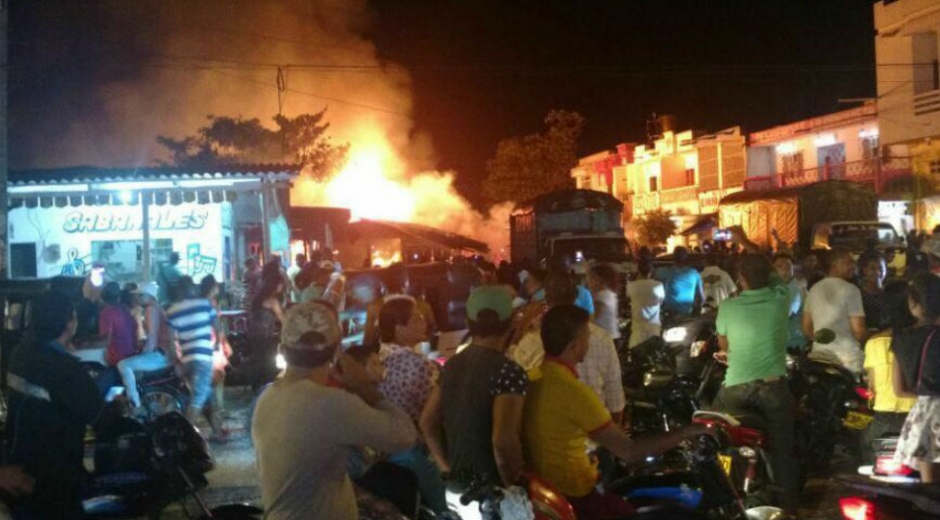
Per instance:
x=831, y=161
x=23, y=260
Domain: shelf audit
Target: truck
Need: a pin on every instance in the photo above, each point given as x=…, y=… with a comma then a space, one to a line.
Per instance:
x=582, y=224
x=796, y=213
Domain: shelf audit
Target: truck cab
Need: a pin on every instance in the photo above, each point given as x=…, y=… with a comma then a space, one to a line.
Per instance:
x=855, y=236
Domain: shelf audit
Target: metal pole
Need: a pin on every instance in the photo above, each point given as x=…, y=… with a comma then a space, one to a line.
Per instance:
x=265, y=253
x=145, y=226
x=4, y=121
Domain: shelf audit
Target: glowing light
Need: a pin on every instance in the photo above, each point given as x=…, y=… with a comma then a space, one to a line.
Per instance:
x=363, y=187
x=824, y=140
x=126, y=196
x=786, y=149
x=870, y=133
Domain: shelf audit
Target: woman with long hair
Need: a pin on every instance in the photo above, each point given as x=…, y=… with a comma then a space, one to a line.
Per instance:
x=264, y=324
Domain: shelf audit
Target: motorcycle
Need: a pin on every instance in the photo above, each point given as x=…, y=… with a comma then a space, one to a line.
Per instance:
x=161, y=391
x=540, y=501
x=659, y=398
x=138, y=469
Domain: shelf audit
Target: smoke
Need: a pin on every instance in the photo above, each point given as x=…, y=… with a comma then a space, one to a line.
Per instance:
x=166, y=65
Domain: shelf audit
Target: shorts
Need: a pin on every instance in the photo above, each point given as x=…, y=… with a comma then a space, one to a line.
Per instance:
x=920, y=436
x=198, y=377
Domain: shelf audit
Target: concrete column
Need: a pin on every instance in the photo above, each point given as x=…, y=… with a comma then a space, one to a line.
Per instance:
x=145, y=226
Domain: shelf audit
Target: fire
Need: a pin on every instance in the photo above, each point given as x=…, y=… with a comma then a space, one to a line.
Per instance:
x=364, y=188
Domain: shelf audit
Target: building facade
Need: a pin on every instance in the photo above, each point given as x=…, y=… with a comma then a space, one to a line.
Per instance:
x=907, y=54
x=596, y=172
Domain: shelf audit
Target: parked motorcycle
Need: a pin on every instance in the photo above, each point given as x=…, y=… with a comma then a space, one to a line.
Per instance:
x=658, y=397
x=541, y=501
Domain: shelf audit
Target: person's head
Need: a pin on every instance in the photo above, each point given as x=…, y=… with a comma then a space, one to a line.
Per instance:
x=810, y=263
x=185, y=289
x=368, y=357
x=401, y=322
x=565, y=332
x=874, y=270
x=895, y=308
x=131, y=287
x=644, y=267
x=489, y=312
x=754, y=271
x=604, y=276
x=924, y=298
x=53, y=318
x=841, y=264
x=300, y=260
x=148, y=293
x=396, y=279
x=681, y=255
x=560, y=290
x=174, y=258
x=535, y=281
x=272, y=269
x=208, y=287
x=129, y=298
x=310, y=336
x=111, y=293
x=251, y=264
x=783, y=264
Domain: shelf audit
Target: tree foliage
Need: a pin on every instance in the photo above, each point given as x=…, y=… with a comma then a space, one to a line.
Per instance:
x=227, y=140
x=654, y=227
x=528, y=166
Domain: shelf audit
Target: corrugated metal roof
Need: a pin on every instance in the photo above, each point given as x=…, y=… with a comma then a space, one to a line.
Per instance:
x=77, y=174
x=569, y=200
x=445, y=238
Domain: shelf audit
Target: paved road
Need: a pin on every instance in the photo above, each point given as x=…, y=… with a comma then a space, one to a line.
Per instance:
x=235, y=478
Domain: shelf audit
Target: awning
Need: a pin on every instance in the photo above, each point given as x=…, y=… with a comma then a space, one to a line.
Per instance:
x=703, y=225
x=105, y=186
x=443, y=238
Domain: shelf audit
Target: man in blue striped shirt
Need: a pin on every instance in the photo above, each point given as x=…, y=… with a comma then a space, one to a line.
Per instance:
x=193, y=321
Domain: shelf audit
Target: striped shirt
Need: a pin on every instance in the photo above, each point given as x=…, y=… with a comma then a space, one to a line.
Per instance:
x=192, y=320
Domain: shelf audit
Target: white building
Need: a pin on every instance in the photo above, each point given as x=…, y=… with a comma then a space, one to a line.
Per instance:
x=60, y=222
x=907, y=52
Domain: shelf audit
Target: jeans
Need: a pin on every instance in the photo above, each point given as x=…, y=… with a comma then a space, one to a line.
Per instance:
x=198, y=375
x=774, y=403
x=430, y=482
x=146, y=362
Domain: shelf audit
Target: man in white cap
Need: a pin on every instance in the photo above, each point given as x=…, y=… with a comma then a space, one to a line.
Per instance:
x=152, y=354
x=306, y=421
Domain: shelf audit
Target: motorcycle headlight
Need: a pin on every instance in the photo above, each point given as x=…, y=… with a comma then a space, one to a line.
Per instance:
x=280, y=362
x=675, y=334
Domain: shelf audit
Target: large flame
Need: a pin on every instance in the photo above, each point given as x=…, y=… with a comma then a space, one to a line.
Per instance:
x=375, y=184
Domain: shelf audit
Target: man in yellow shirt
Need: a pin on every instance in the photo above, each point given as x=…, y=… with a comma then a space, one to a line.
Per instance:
x=890, y=410
x=562, y=413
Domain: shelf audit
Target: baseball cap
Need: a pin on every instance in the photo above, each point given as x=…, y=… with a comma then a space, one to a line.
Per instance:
x=491, y=297
x=312, y=316
x=150, y=289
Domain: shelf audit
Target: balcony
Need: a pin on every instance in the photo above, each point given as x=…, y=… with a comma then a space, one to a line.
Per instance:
x=927, y=103
x=877, y=172
x=683, y=194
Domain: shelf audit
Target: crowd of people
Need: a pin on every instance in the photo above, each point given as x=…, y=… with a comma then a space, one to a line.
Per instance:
x=535, y=390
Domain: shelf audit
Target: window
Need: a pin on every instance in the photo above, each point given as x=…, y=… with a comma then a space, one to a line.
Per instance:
x=792, y=163
x=23, y=260
x=870, y=147
x=934, y=167
x=690, y=177
x=654, y=184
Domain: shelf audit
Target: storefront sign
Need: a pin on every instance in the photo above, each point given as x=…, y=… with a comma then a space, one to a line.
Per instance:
x=109, y=220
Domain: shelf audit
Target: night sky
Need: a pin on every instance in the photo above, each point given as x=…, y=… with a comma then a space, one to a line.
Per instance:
x=487, y=69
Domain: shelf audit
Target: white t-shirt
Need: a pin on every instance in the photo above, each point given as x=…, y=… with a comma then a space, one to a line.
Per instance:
x=831, y=302
x=717, y=285
x=606, y=311
x=646, y=297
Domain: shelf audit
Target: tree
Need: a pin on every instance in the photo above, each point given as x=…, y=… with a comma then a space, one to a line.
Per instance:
x=654, y=227
x=227, y=140
x=528, y=166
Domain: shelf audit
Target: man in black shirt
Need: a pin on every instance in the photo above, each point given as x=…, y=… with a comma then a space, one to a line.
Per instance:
x=473, y=421
x=51, y=401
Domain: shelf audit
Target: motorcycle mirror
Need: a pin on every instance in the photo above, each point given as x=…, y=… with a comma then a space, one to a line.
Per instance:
x=824, y=336
x=657, y=378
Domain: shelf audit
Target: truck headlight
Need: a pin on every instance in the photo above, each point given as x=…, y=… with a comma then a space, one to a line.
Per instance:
x=675, y=334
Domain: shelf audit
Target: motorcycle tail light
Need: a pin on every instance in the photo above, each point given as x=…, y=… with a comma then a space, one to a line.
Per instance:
x=856, y=508
x=864, y=393
x=886, y=465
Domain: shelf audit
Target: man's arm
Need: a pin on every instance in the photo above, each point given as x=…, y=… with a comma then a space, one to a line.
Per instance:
x=808, y=330
x=432, y=426
x=740, y=237
x=507, y=433
x=632, y=451
x=859, y=329
x=384, y=427
x=614, y=398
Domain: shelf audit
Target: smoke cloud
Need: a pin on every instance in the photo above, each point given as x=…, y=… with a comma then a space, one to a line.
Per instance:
x=166, y=65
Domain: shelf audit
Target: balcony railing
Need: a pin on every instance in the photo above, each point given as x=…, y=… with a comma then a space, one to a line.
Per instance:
x=682, y=194
x=876, y=172
x=927, y=103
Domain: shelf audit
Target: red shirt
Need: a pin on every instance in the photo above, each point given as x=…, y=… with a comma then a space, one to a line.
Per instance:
x=117, y=323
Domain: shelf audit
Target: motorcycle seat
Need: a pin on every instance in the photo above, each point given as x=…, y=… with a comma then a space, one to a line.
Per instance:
x=153, y=377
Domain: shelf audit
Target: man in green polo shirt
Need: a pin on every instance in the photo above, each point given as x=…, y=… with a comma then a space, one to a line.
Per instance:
x=752, y=333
